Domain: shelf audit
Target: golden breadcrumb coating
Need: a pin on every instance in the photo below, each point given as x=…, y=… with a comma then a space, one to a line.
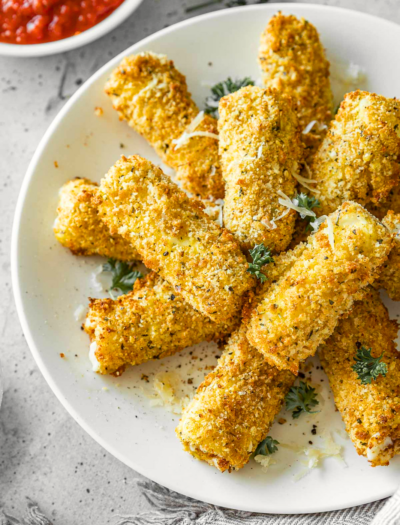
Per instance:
x=152, y=96
x=302, y=309
x=151, y=322
x=175, y=237
x=260, y=149
x=79, y=228
x=359, y=157
x=234, y=407
x=293, y=61
x=391, y=202
x=389, y=277
x=370, y=412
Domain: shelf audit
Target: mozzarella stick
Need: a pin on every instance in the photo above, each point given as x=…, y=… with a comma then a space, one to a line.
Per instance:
x=389, y=277
x=371, y=412
x=234, y=407
x=359, y=157
x=302, y=309
x=293, y=62
x=152, y=96
x=151, y=322
x=175, y=237
x=236, y=404
x=79, y=227
x=260, y=151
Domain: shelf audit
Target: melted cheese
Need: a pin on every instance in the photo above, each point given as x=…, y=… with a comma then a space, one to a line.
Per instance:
x=92, y=357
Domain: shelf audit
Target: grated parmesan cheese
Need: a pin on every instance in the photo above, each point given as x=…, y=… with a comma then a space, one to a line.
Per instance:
x=285, y=201
x=271, y=224
x=79, y=313
x=313, y=456
x=317, y=223
x=309, y=127
x=149, y=87
x=305, y=182
x=164, y=386
x=331, y=236
x=264, y=461
x=190, y=132
x=320, y=126
x=97, y=285
x=220, y=203
x=309, y=457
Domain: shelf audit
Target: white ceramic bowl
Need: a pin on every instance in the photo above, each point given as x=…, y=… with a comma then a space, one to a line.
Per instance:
x=49, y=283
x=52, y=48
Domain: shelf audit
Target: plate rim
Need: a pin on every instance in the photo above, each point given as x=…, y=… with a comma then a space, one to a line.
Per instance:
x=18, y=296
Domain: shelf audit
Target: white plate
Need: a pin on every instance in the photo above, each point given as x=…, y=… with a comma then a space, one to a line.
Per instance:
x=49, y=283
x=66, y=44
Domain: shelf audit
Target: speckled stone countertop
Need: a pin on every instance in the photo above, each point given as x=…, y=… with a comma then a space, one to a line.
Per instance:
x=44, y=454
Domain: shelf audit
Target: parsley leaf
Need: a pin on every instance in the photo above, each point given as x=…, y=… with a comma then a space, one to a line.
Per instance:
x=300, y=399
x=261, y=256
x=123, y=277
x=221, y=90
x=266, y=447
x=368, y=367
x=307, y=202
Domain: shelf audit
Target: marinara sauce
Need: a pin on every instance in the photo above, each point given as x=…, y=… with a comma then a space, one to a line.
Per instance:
x=39, y=21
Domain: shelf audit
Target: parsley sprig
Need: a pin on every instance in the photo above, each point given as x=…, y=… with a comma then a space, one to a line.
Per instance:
x=221, y=90
x=123, y=277
x=301, y=399
x=266, y=447
x=261, y=256
x=305, y=201
x=367, y=367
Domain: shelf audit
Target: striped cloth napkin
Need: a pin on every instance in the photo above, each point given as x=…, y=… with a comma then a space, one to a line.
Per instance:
x=170, y=508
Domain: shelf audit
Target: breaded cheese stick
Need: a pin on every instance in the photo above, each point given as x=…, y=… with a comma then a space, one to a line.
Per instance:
x=359, y=157
x=293, y=61
x=389, y=277
x=371, y=412
x=152, y=96
x=175, y=237
x=260, y=151
x=151, y=322
x=302, y=309
x=79, y=228
x=234, y=407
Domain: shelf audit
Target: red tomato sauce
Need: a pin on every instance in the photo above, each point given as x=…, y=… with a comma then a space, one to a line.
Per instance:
x=39, y=21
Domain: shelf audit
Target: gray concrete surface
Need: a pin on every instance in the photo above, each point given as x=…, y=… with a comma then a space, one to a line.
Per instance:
x=44, y=454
